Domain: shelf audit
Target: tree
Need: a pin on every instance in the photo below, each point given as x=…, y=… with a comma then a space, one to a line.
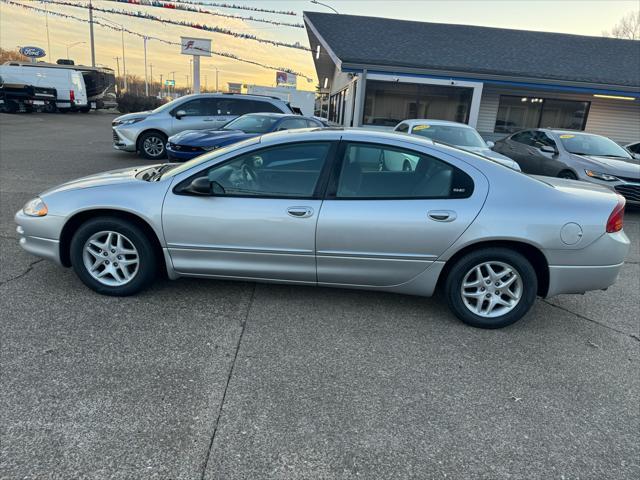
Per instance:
x=628, y=27
x=11, y=55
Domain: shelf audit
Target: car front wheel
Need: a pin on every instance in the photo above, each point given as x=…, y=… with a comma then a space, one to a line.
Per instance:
x=113, y=256
x=152, y=145
x=491, y=288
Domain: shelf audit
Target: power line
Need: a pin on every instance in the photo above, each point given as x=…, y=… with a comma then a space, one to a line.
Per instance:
x=180, y=23
x=228, y=55
x=196, y=8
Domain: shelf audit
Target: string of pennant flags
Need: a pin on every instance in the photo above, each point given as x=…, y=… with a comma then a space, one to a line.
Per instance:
x=196, y=8
x=218, y=53
x=179, y=23
x=222, y=5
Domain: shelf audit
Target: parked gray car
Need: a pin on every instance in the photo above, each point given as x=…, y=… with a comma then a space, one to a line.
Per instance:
x=457, y=134
x=575, y=155
x=304, y=207
x=147, y=132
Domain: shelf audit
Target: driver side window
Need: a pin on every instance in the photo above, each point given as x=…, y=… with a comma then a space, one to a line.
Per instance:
x=281, y=171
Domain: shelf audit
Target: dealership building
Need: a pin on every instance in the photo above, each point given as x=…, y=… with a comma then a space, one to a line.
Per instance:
x=375, y=72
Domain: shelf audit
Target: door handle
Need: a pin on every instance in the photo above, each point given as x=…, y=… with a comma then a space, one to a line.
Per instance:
x=300, y=212
x=442, y=215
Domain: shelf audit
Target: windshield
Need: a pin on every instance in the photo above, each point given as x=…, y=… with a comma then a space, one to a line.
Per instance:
x=585, y=144
x=451, y=134
x=208, y=156
x=252, y=123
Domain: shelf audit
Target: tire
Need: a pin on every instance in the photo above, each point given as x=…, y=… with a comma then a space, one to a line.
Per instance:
x=465, y=307
x=140, y=275
x=568, y=174
x=148, y=141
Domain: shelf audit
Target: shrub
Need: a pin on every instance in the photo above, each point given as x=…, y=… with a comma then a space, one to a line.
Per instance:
x=129, y=103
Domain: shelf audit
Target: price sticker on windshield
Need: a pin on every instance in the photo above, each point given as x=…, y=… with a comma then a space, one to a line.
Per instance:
x=566, y=135
x=420, y=127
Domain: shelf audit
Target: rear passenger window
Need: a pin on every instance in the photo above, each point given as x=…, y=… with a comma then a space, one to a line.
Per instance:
x=254, y=106
x=403, y=128
x=377, y=172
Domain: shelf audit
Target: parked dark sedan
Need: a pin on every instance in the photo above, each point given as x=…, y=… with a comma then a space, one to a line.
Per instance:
x=191, y=143
x=577, y=156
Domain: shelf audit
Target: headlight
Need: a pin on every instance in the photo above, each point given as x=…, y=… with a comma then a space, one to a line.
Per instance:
x=35, y=208
x=601, y=176
x=208, y=149
x=117, y=123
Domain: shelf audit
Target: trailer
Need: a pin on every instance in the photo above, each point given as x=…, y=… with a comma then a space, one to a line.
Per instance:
x=21, y=98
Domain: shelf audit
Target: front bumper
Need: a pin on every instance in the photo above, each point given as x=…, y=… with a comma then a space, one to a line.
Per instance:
x=124, y=140
x=40, y=235
x=182, y=156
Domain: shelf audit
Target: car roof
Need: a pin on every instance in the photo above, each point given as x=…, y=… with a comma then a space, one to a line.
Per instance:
x=352, y=134
x=420, y=121
x=232, y=95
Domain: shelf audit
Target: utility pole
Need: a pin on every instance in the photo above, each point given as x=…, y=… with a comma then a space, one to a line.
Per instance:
x=161, y=86
x=117, y=59
x=216, y=79
x=205, y=83
x=46, y=21
x=93, y=46
x=146, y=81
x=124, y=65
x=151, y=75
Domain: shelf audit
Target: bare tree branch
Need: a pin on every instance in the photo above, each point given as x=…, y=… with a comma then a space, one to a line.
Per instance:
x=628, y=27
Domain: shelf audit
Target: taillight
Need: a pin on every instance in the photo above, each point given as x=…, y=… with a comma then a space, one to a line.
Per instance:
x=616, y=219
x=72, y=96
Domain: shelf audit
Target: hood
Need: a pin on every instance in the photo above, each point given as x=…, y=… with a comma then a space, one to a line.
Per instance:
x=487, y=152
x=112, y=177
x=208, y=138
x=625, y=167
x=131, y=116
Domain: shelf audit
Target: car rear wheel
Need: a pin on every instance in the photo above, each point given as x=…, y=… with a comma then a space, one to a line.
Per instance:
x=113, y=256
x=152, y=145
x=491, y=288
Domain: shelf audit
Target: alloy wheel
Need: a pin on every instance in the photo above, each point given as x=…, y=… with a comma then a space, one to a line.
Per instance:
x=491, y=289
x=111, y=258
x=153, y=146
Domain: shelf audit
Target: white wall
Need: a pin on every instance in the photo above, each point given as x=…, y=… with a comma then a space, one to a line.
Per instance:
x=616, y=119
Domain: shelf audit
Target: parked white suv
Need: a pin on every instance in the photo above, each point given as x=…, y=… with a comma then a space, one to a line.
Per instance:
x=147, y=132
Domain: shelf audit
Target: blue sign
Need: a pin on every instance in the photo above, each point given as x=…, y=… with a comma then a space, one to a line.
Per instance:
x=32, y=52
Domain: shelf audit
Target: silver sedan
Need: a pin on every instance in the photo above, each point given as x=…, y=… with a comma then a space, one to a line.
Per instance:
x=310, y=207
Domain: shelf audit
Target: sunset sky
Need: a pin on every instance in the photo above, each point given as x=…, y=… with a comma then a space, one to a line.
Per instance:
x=21, y=27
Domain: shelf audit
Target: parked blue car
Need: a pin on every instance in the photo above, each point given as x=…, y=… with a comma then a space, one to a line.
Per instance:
x=191, y=143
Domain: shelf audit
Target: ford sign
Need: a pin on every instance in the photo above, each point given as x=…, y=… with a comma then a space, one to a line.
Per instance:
x=32, y=52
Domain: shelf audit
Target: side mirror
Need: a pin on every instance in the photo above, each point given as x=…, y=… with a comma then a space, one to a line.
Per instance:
x=180, y=114
x=491, y=144
x=204, y=186
x=201, y=186
x=548, y=149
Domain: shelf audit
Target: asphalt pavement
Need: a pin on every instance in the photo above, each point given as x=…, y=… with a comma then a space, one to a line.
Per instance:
x=201, y=379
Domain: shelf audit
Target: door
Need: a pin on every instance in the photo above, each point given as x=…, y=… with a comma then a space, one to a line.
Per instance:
x=198, y=116
x=261, y=222
x=382, y=227
x=520, y=147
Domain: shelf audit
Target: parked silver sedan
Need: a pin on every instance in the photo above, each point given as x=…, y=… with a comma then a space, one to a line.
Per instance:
x=306, y=207
x=575, y=155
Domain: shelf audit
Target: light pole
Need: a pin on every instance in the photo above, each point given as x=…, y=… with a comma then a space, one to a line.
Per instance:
x=117, y=59
x=46, y=22
x=216, y=79
x=173, y=75
x=71, y=45
x=146, y=81
x=93, y=46
x=324, y=5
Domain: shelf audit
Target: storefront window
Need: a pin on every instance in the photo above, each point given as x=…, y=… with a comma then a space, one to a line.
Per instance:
x=517, y=113
x=388, y=103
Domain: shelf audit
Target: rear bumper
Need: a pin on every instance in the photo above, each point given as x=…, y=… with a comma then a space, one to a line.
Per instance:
x=572, y=279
